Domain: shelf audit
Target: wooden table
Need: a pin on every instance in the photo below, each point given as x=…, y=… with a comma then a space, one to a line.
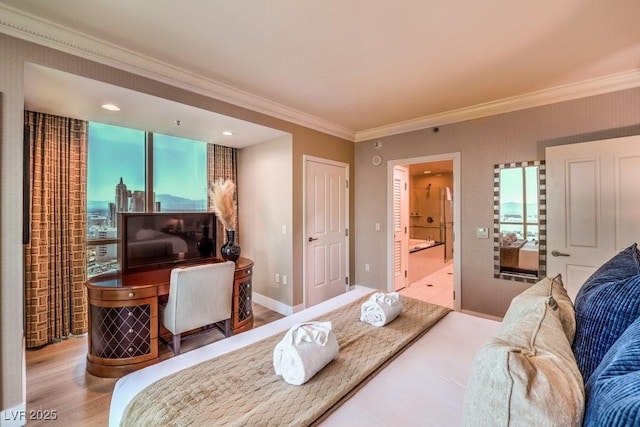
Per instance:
x=123, y=316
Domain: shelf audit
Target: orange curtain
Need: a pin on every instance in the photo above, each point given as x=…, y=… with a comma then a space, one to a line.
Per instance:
x=55, y=256
x=222, y=162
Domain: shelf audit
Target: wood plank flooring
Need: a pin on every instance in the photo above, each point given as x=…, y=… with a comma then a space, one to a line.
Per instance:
x=57, y=381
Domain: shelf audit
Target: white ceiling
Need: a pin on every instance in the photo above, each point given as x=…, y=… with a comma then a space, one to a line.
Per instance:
x=358, y=68
x=56, y=92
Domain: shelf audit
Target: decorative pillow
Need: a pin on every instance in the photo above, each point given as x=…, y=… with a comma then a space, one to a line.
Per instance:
x=527, y=374
x=613, y=390
x=624, y=264
x=606, y=305
x=553, y=292
x=507, y=238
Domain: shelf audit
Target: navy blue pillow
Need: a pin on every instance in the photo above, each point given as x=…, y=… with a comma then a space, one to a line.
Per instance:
x=613, y=391
x=621, y=266
x=606, y=305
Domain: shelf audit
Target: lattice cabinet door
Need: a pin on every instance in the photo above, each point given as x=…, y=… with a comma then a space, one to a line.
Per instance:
x=242, y=300
x=122, y=333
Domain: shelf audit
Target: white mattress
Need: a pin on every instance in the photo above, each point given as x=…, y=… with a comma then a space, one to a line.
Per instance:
x=423, y=386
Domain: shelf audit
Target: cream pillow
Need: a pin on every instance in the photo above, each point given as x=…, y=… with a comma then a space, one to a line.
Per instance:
x=527, y=374
x=553, y=292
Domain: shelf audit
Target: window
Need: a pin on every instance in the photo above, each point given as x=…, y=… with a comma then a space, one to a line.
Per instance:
x=179, y=174
x=118, y=180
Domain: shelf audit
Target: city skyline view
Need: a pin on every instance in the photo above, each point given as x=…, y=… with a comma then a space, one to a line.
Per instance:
x=179, y=173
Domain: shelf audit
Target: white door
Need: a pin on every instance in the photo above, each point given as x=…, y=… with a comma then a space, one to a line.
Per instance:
x=326, y=230
x=593, y=205
x=400, y=227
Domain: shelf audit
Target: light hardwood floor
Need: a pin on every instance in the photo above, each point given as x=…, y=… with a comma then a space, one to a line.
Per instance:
x=57, y=380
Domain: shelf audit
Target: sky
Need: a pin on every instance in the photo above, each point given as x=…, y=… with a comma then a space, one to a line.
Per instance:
x=114, y=152
x=511, y=184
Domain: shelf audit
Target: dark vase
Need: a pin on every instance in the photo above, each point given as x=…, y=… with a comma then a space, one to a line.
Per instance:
x=205, y=244
x=230, y=251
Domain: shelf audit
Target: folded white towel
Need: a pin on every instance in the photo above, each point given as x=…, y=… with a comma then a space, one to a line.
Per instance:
x=381, y=308
x=304, y=351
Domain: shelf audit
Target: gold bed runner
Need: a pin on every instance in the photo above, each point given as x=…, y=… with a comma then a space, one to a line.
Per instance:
x=241, y=388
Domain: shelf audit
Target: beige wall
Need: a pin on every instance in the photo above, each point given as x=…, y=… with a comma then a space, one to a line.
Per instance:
x=13, y=54
x=516, y=136
x=265, y=207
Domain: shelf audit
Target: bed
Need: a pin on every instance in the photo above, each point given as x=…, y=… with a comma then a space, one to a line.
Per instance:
x=519, y=255
x=548, y=362
x=441, y=359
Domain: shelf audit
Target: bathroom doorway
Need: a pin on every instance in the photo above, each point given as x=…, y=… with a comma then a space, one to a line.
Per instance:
x=431, y=254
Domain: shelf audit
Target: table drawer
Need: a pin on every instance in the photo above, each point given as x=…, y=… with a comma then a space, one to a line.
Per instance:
x=124, y=294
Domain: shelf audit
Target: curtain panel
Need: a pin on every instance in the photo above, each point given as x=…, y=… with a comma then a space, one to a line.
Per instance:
x=55, y=264
x=222, y=163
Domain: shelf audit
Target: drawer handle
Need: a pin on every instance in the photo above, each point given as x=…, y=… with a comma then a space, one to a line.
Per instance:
x=130, y=350
x=130, y=331
x=130, y=314
x=131, y=295
x=248, y=271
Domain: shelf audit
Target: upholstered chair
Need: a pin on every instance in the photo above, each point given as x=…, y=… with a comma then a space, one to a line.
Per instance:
x=198, y=296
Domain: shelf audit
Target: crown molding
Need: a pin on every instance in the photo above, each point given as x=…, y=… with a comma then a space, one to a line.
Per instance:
x=583, y=89
x=37, y=30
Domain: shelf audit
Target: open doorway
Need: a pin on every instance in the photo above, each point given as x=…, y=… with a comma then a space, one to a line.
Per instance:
x=431, y=256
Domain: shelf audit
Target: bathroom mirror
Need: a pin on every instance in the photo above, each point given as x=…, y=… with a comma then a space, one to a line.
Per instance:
x=519, y=215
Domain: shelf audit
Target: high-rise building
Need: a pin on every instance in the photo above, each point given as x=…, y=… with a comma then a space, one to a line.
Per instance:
x=122, y=197
x=112, y=215
x=137, y=201
x=107, y=253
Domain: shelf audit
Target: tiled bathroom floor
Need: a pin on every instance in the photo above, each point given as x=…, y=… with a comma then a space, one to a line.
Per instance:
x=436, y=288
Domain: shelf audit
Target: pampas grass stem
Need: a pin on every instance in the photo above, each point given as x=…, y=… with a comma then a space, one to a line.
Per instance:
x=222, y=194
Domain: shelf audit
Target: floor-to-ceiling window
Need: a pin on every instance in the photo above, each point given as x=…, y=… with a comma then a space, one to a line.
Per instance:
x=130, y=170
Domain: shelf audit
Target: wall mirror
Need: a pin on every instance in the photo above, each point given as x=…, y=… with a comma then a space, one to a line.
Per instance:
x=519, y=221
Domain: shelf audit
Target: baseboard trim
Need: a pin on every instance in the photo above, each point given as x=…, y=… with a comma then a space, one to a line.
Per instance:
x=275, y=305
x=483, y=315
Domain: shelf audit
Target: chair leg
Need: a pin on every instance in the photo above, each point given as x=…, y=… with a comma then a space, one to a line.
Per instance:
x=227, y=328
x=176, y=344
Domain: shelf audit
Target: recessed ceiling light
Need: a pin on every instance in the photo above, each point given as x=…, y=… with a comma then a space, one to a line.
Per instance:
x=427, y=172
x=111, y=107
x=227, y=132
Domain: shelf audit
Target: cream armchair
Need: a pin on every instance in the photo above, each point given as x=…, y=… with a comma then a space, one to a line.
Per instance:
x=198, y=296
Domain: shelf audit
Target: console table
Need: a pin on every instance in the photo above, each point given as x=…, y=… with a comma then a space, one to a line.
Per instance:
x=123, y=316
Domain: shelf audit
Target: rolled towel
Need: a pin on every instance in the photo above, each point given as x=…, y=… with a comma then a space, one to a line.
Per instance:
x=381, y=308
x=305, y=349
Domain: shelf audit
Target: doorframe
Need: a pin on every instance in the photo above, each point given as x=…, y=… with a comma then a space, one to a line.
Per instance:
x=455, y=157
x=305, y=159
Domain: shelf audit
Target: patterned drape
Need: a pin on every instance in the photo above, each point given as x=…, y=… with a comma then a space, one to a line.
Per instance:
x=223, y=163
x=55, y=265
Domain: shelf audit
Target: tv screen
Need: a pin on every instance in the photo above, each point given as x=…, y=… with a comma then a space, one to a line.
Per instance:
x=163, y=239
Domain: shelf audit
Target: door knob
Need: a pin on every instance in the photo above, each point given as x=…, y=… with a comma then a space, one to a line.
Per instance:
x=311, y=239
x=556, y=252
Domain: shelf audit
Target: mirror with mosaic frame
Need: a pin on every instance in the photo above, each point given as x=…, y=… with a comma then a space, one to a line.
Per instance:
x=519, y=215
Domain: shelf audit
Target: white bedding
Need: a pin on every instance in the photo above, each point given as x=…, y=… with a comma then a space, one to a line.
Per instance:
x=528, y=257
x=422, y=386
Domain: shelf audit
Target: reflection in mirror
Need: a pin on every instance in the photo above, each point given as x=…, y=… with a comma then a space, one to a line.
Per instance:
x=519, y=229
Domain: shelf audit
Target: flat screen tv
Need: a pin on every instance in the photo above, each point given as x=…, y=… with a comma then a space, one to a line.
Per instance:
x=163, y=239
